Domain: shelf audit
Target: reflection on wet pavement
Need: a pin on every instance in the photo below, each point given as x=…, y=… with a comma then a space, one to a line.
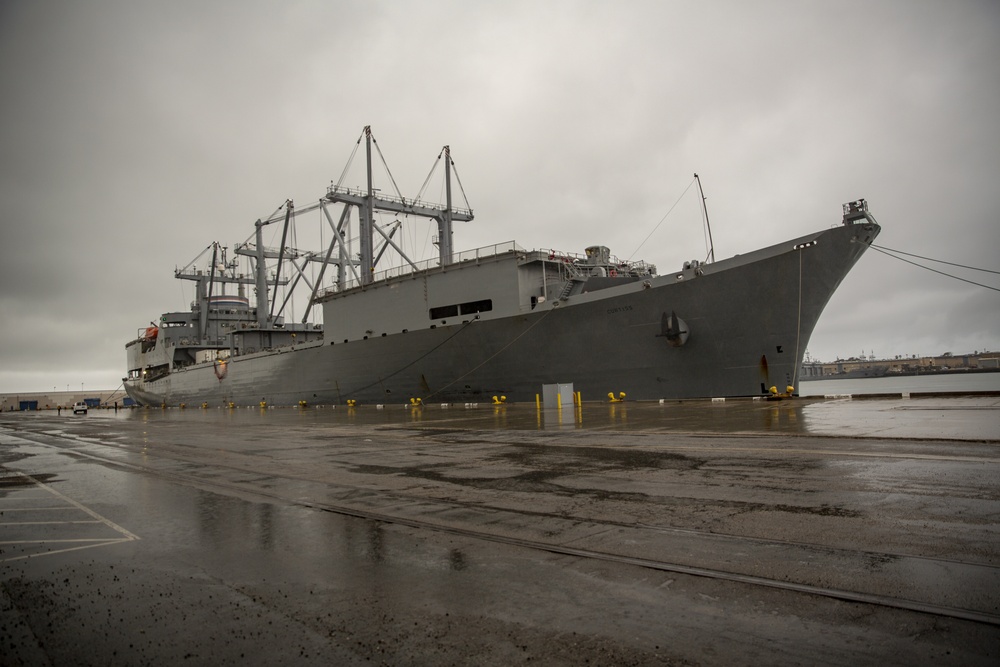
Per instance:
x=969, y=418
x=511, y=535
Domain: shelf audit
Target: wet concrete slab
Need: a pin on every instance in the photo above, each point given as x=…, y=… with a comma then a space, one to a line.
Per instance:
x=743, y=532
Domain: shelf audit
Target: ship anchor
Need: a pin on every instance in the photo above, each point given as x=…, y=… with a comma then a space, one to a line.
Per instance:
x=674, y=329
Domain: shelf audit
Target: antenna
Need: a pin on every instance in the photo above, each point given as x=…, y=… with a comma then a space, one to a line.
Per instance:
x=708, y=226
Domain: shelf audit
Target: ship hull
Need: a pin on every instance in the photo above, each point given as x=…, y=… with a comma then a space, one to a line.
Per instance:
x=747, y=319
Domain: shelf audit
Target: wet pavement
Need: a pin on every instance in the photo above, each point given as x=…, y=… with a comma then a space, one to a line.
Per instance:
x=738, y=532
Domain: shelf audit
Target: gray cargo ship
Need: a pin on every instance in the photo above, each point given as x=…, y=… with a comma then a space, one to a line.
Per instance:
x=496, y=321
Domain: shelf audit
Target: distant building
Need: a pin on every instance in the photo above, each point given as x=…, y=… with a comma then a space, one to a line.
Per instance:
x=53, y=400
x=899, y=365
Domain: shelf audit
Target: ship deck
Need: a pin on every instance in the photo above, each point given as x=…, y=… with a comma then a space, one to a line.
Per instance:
x=736, y=532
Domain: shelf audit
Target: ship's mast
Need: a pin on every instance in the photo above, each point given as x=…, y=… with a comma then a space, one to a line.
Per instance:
x=368, y=218
x=708, y=226
x=368, y=202
x=203, y=322
x=260, y=256
x=220, y=272
x=260, y=272
x=444, y=224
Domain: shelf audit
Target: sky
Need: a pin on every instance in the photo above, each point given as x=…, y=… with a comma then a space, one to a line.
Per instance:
x=134, y=134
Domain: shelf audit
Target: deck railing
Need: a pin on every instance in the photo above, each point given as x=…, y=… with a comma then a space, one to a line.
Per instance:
x=574, y=260
x=406, y=269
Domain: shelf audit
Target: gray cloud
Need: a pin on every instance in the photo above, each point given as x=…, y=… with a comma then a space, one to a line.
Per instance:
x=134, y=134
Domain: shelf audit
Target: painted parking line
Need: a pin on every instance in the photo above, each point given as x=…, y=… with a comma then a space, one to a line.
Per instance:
x=61, y=535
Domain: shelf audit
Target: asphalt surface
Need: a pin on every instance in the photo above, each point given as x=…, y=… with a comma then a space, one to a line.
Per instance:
x=797, y=532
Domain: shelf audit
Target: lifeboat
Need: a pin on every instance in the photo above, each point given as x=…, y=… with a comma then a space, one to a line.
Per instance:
x=151, y=333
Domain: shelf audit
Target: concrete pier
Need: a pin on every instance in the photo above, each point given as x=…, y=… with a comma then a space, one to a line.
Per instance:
x=746, y=532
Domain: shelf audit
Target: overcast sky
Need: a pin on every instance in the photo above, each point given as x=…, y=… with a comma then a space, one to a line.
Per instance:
x=136, y=133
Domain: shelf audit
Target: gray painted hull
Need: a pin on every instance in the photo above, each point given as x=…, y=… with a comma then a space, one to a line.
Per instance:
x=750, y=318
